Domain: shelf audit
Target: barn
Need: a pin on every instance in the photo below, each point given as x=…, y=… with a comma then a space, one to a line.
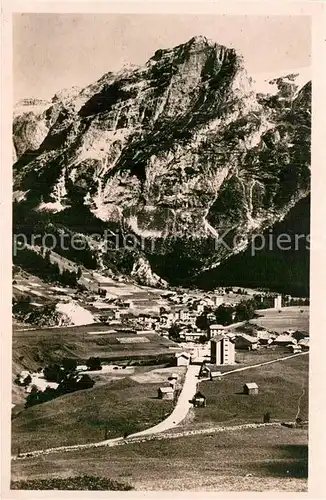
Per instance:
x=247, y=342
x=209, y=370
x=304, y=343
x=165, y=393
x=199, y=400
x=250, y=388
x=182, y=358
x=294, y=348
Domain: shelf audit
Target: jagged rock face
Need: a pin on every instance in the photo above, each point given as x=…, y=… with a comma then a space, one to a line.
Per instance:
x=29, y=126
x=180, y=147
x=143, y=274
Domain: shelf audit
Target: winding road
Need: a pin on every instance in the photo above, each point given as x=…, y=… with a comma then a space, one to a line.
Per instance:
x=181, y=408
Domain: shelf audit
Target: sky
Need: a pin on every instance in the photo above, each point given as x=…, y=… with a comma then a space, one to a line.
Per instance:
x=56, y=51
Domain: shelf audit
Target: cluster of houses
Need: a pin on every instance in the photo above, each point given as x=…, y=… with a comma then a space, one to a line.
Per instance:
x=182, y=310
x=224, y=343
x=157, y=315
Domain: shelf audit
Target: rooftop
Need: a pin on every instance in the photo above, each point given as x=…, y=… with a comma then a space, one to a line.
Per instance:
x=285, y=338
x=251, y=385
x=216, y=326
x=184, y=354
x=252, y=340
x=166, y=389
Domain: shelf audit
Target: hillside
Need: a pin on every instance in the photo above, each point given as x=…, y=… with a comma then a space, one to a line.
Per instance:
x=173, y=153
x=122, y=406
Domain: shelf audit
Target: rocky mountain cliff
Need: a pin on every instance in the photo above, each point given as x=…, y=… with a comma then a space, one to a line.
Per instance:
x=177, y=152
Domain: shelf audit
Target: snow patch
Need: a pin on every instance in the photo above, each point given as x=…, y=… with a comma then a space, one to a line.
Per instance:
x=261, y=81
x=75, y=313
x=54, y=206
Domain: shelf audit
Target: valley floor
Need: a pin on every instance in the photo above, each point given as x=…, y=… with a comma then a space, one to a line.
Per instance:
x=262, y=459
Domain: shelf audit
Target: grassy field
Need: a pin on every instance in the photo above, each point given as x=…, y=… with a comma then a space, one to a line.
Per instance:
x=280, y=386
x=32, y=349
x=296, y=318
x=81, y=417
x=261, y=355
x=275, y=458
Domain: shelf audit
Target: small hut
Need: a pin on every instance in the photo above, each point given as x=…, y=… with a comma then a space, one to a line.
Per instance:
x=199, y=400
x=165, y=393
x=250, y=388
x=294, y=348
x=182, y=358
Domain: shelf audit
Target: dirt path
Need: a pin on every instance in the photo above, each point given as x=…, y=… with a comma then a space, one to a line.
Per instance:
x=182, y=407
x=263, y=364
x=152, y=437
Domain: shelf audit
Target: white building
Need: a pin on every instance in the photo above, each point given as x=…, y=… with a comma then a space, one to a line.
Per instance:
x=182, y=358
x=218, y=300
x=222, y=350
x=278, y=302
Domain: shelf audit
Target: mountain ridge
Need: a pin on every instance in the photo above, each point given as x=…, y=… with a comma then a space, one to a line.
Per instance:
x=183, y=145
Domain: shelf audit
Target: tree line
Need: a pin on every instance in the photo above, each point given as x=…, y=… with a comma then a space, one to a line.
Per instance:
x=68, y=378
x=42, y=267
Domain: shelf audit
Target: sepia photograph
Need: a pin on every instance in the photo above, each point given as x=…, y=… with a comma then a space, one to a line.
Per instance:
x=161, y=172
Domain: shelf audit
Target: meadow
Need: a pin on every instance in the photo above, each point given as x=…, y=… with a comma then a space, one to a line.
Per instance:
x=295, y=317
x=280, y=386
x=103, y=412
x=263, y=459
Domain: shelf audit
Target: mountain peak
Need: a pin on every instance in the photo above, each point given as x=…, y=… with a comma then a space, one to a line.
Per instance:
x=199, y=40
x=181, y=146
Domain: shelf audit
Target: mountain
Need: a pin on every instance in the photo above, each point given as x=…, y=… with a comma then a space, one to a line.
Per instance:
x=282, y=269
x=173, y=154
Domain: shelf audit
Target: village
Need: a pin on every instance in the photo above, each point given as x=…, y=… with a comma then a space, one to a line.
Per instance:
x=133, y=319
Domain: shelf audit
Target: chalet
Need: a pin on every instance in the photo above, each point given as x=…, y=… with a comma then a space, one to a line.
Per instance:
x=222, y=350
x=199, y=307
x=182, y=358
x=264, y=338
x=165, y=393
x=284, y=339
x=304, y=344
x=199, y=400
x=247, y=342
x=250, y=388
x=209, y=302
x=209, y=370
x=294, y=348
